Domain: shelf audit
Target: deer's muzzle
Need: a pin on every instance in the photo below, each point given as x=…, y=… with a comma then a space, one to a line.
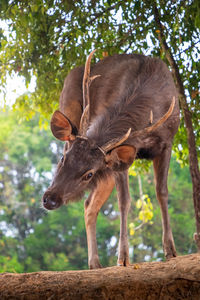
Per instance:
x=51, y=201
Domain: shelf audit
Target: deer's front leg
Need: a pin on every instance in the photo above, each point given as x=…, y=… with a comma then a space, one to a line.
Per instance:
x=92, y=206
x=124, y=200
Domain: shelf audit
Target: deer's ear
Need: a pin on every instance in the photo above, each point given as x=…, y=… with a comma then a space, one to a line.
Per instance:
x=62, y=128
x=120, y=158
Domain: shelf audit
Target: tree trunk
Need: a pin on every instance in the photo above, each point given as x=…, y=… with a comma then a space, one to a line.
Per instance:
x=175, y=279
x=193, y=159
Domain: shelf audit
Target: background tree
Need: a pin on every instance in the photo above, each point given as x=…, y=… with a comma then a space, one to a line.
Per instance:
x=32, y=239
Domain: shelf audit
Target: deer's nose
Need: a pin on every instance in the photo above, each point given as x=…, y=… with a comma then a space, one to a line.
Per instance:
x=51, y=201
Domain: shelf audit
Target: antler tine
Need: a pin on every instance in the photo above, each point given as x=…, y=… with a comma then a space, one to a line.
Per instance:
x=151, y=117
x=158, y=123
x=87, y=80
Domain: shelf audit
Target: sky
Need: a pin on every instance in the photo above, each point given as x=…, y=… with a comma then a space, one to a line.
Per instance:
x=16, y=84
x=14, y=88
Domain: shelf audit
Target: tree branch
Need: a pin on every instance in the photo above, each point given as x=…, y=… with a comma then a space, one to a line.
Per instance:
x=153, y=280
x=190, y=47
x=99, y=14
x=193, y=159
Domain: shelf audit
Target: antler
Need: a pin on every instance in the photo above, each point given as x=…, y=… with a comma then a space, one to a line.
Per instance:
x=158, y=123
x=87, y=80
x=115, y=142
x=118, y=141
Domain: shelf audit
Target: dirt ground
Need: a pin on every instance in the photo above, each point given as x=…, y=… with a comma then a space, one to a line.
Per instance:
x=178, y=278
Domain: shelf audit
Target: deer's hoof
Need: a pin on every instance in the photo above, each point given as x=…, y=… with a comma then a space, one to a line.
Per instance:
x=123, y=262
x=170, y=252
x=95, y=265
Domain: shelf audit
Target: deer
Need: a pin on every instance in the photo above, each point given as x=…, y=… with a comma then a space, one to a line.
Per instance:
x=122, y=108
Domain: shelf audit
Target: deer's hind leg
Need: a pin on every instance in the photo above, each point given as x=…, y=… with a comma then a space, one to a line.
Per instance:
x=161, y=167
x=92, y=206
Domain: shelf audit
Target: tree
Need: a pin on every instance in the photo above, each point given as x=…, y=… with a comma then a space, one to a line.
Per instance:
x=193, y=158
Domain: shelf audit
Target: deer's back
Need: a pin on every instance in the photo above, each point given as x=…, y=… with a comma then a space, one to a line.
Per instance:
x=145, y=81
x=130, y=87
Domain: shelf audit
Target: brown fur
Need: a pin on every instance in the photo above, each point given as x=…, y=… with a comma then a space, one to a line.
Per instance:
x=133, y=91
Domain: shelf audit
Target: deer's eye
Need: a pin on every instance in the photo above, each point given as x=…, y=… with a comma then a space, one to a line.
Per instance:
x=62, y=158
x=88, y=176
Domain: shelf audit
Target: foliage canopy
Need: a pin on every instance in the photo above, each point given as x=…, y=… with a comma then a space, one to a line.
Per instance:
x=48, y=38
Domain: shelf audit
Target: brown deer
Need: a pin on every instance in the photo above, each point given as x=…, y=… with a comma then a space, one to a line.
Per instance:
x=130, y=111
